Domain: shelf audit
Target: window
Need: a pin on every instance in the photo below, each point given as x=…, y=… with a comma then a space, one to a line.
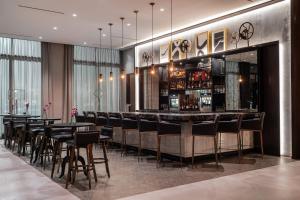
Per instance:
x=88, y=93
x=20, y=76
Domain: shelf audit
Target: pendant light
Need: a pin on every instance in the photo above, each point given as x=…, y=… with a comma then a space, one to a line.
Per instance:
x=122, y=70
x=111, y=51
x=171, y=64
x=152, y=57
x=136, y=69
x=100, y=76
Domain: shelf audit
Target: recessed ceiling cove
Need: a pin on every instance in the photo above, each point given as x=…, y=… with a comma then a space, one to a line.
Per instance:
x=77, y=21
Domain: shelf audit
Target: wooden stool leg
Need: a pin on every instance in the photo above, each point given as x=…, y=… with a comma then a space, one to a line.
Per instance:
x=261, y=144
x=92, y=162
x=55, y=151
x=70, y=151
x=193, y=151
x=140, y=146
x=158, y=151
x=216, y=148
x=88, y=167
x=105, y=159
x=180, y=151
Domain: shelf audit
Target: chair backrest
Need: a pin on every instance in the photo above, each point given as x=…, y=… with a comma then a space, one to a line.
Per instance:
x=205, y=124
x=84, y=138
x=80, y=118
x=115, y=119
x=229, y=123
x=129, y=121
x=90, y=117
x=102, y=114
x=262, y=119
x=148, y=122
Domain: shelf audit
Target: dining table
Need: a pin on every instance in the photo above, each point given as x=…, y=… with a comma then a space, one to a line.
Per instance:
x=74, y=127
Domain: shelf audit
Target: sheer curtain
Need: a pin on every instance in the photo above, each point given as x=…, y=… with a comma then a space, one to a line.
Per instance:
x=88, y=93
x=20, y=74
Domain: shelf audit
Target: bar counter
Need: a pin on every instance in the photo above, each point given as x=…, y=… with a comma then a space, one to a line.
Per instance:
x=170, y=145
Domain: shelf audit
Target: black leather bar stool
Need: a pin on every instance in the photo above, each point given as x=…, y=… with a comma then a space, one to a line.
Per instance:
x=59, y=137
x=129, y=123
x=84, y=140
x=168, y=127
x=205, y=125
x=253, y=122
x=230, y=124
x=106, y=135
x=146, y=123
x=101, y=119
x=80, y=118
x=115, y=121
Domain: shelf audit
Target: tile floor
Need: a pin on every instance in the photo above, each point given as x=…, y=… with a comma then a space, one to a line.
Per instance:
x=20, y=181
x=129, y=177
x=272, y=183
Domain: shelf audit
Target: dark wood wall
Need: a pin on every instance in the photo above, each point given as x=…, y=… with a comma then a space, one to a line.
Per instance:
x=295, y=77
x=268, y=63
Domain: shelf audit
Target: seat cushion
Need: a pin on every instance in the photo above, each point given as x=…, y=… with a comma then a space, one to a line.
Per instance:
x=104, y=138
x=107, y=131
x=62, y=137
x=115, y=122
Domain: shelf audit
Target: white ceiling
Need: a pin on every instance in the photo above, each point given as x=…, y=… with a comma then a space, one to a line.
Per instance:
x=27, y=23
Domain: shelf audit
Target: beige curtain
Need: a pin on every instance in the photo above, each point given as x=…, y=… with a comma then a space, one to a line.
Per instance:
x=57, y=73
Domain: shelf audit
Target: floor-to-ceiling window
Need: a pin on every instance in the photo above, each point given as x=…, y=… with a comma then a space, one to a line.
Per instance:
x=89, y=94
x=20, y=77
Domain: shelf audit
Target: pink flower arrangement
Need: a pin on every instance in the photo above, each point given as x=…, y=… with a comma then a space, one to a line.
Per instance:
x=74, y=111
x=46, y=109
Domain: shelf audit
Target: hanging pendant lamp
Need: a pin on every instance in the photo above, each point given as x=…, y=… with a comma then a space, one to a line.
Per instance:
x=152, y=56
x=136, y=69
x=100, y=76
x=122, y=68
x=171, y=64
x=111, y=51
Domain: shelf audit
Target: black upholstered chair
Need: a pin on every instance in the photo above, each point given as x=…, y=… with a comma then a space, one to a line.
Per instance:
x=101, y=119
x=81, y=118
x=205, y=125
x=253, y=122
x=129, y=123
x=168, y=127
x=81, y=140
x=230, y=124
x=146, y=123
x=114, y=119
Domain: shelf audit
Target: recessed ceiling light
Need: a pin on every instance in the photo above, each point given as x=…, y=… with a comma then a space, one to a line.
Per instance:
x=55, y=28
x=40, y=37
x=74, y=15
x=104, y=35
x=128, y=24
x=162, y=10
x=84, y=43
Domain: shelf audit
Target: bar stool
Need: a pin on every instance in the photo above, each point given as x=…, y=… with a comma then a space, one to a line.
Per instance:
x=167, y=127
x=205, y=125
x=115, y=121
x=80, y=118
x=147, y=123
x=106, y=135
x=59, y=137
x=101, y=119
x=81, y=140
x=253, y=122
x=230, y=124
x=129, y=123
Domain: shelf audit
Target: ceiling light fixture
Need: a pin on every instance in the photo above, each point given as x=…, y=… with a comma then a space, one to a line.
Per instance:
x=84, y=43
x=55, y=28
x=40, y=37
x=100, y=76
x=136, y=69
x=110, y=35
x=152, y=55
x=162, y=10
x=104, y=35
x=122, y=68
x=74, y=15
x=128, y=24
x=171, y=65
